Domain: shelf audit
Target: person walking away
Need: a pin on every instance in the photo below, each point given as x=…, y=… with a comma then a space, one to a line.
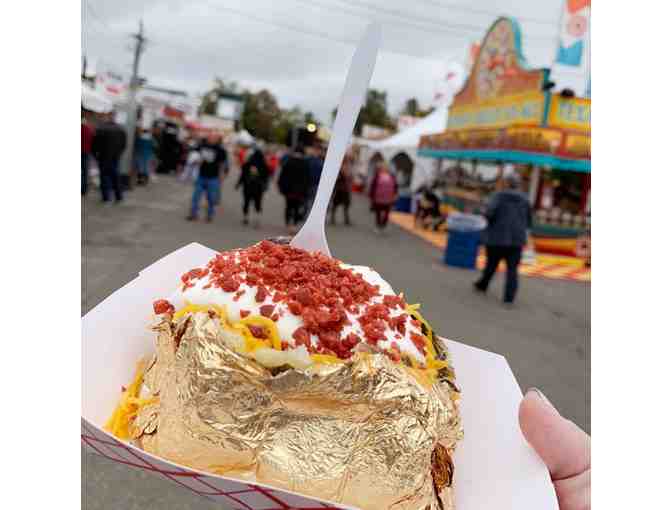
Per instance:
x=509, y=217
x=87, y=140
x=254, y=176
x=293, y=183
x=343, y=191
x=383, y=194
x=213, y=167
x=107, y=147
x=315, y=165
x=144, y=152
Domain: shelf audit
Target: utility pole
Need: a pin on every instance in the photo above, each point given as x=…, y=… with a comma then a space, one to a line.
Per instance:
x=131, y=106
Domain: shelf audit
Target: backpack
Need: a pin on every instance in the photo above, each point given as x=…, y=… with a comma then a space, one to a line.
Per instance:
x=385, y=189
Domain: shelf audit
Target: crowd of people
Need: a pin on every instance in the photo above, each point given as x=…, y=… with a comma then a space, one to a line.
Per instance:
x=207, y=161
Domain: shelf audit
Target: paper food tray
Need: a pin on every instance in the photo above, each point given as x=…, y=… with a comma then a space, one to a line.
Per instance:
x=494, y=466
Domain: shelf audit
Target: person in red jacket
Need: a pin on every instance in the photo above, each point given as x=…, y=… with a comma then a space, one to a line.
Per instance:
x=87, y=140
x=383, y=194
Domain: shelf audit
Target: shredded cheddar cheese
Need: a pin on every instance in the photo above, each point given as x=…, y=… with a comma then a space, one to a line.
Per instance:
x=274, y=341
x=129, y=406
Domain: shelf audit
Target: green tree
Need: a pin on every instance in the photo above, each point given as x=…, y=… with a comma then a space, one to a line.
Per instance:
x=374, y=111
x=210, y=98
x=261, y=114
x=411, y=107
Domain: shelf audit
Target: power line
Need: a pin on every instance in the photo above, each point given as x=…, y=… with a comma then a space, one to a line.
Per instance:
x=435, y=22
x=306, y=31
x=461, y=7
x=358, y=14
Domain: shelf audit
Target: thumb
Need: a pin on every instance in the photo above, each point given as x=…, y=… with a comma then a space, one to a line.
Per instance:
x=561, y=444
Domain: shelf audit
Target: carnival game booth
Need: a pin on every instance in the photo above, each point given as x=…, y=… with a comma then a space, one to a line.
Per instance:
x=400, y=151
x=505, y=115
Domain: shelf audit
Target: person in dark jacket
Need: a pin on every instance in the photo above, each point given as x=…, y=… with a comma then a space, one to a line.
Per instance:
x=107, y=147
x=254, y=176
x=509, y=217
x=293, y=183
x=343, y=191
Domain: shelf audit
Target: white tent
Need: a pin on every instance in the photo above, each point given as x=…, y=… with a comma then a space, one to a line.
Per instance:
x=402, y=148
x=94, y=101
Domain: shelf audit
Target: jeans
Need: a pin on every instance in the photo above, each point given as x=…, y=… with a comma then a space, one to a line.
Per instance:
x=293, y=210
x=512, y=256
x=85, y=173
x=209, y=186
x=109, y=179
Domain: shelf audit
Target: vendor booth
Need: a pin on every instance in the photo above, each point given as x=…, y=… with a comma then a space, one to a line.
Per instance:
x=400, y=151
x=505, y=117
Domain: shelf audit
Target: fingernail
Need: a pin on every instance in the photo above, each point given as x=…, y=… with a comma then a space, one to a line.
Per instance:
x=542, y=397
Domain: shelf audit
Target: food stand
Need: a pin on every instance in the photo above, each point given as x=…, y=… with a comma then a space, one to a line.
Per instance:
x=505, y=115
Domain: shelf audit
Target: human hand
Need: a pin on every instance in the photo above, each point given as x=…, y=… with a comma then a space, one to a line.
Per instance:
x=562, y=445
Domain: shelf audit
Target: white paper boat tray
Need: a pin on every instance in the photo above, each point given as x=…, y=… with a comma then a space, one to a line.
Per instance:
x=494, y=467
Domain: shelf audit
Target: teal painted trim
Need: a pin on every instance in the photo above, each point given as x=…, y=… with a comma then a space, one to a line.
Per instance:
x=535, y=158
x=547, y=107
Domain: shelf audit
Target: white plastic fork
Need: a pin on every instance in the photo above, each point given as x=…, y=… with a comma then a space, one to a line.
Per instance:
x=312, y=237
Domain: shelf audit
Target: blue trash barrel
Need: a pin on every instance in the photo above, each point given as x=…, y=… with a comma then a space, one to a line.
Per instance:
x=464, y=237
x=403, y=204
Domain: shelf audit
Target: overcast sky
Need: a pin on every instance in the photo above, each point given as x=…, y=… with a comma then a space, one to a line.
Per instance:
x=300, y=49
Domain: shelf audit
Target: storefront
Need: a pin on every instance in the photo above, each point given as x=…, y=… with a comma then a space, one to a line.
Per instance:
x=505, y=117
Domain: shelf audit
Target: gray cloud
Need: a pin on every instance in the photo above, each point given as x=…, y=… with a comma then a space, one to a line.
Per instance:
x=250, y=42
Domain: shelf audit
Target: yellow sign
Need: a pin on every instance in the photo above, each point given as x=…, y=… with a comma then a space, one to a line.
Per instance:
x=527, y=108
x=569, y=113
x=534, y=139
x=578, y=145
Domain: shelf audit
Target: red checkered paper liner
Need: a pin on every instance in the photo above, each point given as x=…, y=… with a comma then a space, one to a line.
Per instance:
x=494, y=465
x=234, y=494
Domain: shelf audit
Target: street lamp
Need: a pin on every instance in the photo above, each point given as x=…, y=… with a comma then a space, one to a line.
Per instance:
x=311, y=127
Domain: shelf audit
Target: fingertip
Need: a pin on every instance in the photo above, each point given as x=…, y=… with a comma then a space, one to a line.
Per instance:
x=564, y=447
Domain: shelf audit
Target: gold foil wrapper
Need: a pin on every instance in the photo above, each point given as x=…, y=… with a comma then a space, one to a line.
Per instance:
x=369, y=433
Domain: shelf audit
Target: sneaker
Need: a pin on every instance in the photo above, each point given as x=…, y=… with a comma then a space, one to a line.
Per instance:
x=478, y=288
x=191, y=218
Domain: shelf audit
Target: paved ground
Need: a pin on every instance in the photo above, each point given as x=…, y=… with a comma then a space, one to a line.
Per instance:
x=546, y=337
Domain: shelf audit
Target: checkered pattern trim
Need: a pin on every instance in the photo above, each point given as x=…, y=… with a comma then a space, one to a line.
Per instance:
x=236, y=495
x=552, y=271
x=537, y=270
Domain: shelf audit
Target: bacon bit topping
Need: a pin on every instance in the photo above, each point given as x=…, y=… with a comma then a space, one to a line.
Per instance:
x=419, y=342
x=267, y=310
x=393, y=301
x=261, y=294
x=258, y=331
x=295, y=307
x=313, y=287
x=163, y=306
x=284, y=345
x=301, y=337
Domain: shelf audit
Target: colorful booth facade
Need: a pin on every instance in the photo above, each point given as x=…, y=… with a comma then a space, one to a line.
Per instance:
x=505, y=115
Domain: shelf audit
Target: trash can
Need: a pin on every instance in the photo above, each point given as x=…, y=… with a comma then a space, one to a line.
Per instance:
x=464, y=236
